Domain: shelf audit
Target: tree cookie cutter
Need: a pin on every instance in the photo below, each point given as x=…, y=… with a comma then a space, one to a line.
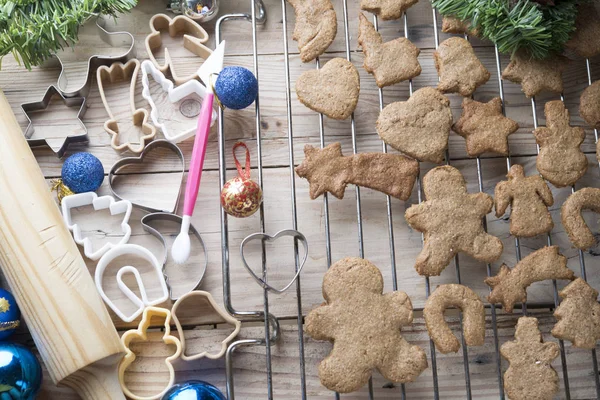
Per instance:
x=298, y=237
x=141, y=333
x=144, y=301
x=194, y=37
x=188, y=108
x=119, y=72
x=99, y=203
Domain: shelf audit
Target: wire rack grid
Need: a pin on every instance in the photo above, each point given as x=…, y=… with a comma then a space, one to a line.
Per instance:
x=271, y=324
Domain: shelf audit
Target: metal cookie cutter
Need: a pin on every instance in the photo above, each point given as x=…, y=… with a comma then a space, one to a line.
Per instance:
x=268, y=238
x=72, y=102
x=144, y=301
x=141, y=334
x=99, y=203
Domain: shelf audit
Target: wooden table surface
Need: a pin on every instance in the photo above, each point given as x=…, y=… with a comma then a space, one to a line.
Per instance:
x=160, y=180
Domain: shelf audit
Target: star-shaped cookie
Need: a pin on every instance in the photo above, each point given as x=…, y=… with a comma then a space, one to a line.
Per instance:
x=387, y=9
x=536, y=75
x=484, y=127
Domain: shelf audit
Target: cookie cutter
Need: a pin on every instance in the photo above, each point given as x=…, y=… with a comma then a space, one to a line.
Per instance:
x=271, y=238
x=175, y=94
x=99, y=203
x=142, y=333
x=144, y=301
x=210, y=301
x=147, y=221
x=71, y=102
x=119, y=72
x=140, y=160
x=194, y=37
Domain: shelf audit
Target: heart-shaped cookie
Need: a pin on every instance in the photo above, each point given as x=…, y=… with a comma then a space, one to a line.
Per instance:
x=332, y=90
x=418, y=127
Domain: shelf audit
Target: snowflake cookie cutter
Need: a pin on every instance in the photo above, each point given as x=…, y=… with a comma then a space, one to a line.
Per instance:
x=99, y=203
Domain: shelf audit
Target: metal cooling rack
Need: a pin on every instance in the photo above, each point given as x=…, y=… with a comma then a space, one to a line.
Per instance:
x=257, y=17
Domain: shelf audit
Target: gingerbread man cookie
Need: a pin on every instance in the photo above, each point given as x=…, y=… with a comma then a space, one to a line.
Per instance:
x=452, y=222
x=316, y=27
x=536, y=75
x=364, y=326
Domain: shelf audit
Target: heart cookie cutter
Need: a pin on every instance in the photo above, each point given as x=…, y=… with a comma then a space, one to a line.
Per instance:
x=99, y=203
x=298, y=237
x=119, y=72
x=144, y=301
x=142, y=333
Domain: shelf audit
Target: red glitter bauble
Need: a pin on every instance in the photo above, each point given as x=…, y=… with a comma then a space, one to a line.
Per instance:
x=241, y=197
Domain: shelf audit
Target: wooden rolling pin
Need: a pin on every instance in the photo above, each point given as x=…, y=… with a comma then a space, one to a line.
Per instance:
x=54, y=289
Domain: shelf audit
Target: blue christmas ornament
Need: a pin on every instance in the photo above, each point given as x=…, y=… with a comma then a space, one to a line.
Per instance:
x=9, y=315
x=194, y=390
x=82, y=172
x=20, y=372
x=236, y=87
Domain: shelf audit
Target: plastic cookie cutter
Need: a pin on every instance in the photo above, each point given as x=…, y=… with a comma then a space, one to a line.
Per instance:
x=194, y=37
x=119, y=72
x=268, y=238
x=208, y=302
x=141, y=334
x=47, y=134
x=185, y=103
x=99, y=203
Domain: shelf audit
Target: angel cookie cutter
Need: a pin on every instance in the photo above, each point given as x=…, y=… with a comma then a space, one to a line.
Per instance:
x=99, y=203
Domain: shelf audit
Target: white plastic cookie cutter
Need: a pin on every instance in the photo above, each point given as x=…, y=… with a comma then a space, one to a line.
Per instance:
x=99, y=203
x=175, y=94
x=144, y=301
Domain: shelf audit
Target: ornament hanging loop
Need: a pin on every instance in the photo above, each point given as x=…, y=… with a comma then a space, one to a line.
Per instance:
x=243, y=172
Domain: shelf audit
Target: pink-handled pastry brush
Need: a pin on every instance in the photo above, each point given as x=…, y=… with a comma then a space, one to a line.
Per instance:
x=213, y=65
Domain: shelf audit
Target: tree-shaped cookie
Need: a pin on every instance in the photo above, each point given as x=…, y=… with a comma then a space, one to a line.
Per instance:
x=364, y=326
x=451, y=220
x=529, y=198
x=530, y=375
x=560, y=161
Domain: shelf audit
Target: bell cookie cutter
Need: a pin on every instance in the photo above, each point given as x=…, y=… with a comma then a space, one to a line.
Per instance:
x=71, y=102
x=99, y=203
x=175, y=95
x=271, y=238
x=222, y=313
x=119, y=72
x=194, y=37
x=144, y=301
x=141, y=333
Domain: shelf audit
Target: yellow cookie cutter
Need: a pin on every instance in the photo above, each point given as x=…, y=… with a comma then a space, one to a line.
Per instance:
x=141, y=332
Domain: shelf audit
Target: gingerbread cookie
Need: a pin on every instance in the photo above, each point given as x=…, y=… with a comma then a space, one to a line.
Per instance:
x=570, y=213
x=458, y=26
x=536, y=75
x=473, y=323
x=589, y=105
x=510, y=285
x=529, y=198
x=316, y=27
x=585, y=40
x=459, y=68
x=391, y=62
x=418, y=127
x=387, y=9
x=333, y=90
x=560, y=161
x=328, y=170
x=530, y=374
x=484, y=127
x=364, y=325
x=451, y=220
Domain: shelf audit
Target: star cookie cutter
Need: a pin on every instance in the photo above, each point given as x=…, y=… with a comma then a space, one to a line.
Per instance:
x=175, y=95
x=144, y=301
x=71, y=102
x=194, y=37
x=141, y=333
x=209, y=301
x=271, y=238
x=99, y=203
x=119, y=72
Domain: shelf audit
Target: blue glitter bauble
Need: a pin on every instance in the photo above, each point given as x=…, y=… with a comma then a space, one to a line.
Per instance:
x=194, y=390
x=9, y=314
x=236, y=87
x=82, y=172
x=20, y=372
